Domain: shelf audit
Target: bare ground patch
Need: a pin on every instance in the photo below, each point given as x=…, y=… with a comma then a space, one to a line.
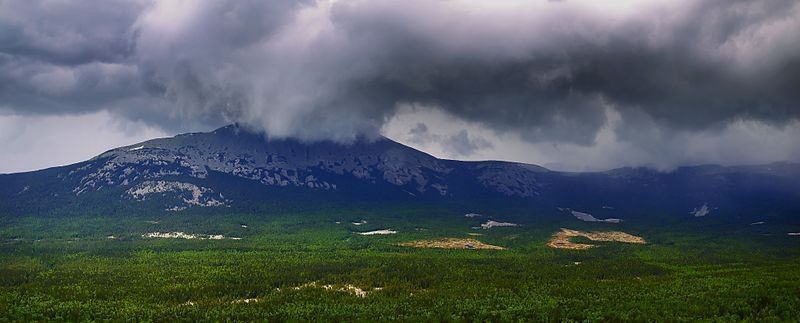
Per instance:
x=562, y=239
x=451, y=243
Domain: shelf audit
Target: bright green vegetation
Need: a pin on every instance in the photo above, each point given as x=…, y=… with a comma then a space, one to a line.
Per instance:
x=67, y=269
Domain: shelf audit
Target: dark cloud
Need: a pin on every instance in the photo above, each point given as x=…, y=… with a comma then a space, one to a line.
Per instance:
x=68, y=32
x=547, y=71
x=460, y=144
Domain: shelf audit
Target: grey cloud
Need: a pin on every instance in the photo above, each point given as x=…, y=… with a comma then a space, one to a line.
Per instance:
x=462, y=144
x=68, y=32
x=419, y=134
x=459, y=144
x=547, y=71
x=683, y=69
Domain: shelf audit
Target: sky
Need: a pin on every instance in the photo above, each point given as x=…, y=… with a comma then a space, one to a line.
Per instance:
x=575, y=85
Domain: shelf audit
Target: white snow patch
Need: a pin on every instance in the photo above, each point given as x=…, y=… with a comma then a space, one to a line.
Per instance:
x=586, y=217
x=360, y=223
x=793, y=234
x=491, y=224
x=136, y=148
x=472, y=215
x=702, y=211
x=111, y=237
x=370, y=233
x=757, y=223
x=184, y=235
x=245, y=301
x=347, y=288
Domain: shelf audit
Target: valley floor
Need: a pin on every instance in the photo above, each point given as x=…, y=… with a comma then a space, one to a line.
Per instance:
x=309, y=267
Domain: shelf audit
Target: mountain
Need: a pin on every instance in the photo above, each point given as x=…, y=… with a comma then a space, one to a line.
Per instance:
x=233, y=169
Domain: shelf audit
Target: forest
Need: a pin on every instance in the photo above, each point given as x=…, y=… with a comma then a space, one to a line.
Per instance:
x=314, y=266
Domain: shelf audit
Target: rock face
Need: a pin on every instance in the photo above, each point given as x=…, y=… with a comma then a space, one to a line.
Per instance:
x=199, y=196
x=233, y=168
x=234, y=151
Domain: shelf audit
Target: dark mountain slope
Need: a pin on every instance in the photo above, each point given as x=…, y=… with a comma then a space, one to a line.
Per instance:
x=232, y=169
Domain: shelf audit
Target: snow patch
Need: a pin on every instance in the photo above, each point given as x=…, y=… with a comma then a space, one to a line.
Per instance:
x=347, y=288
x=136, y=148
x=793, y=234
x=184, y=235
x=245, y=301
x=360, y=223
x=586, y=217
x=702, y=211
x=472, y=215
x=376, y=232
x=491, y=224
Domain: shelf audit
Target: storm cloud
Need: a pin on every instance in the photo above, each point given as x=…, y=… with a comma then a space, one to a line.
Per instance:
x=541, y=71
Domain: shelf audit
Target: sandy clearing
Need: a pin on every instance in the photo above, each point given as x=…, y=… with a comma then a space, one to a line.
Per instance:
x=451, y=243
x=561, y=239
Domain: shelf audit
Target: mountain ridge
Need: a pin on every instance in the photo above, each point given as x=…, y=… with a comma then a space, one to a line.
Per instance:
x=233, y=169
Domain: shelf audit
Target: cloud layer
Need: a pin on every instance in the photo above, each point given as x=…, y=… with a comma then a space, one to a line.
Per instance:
x=544, y=72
